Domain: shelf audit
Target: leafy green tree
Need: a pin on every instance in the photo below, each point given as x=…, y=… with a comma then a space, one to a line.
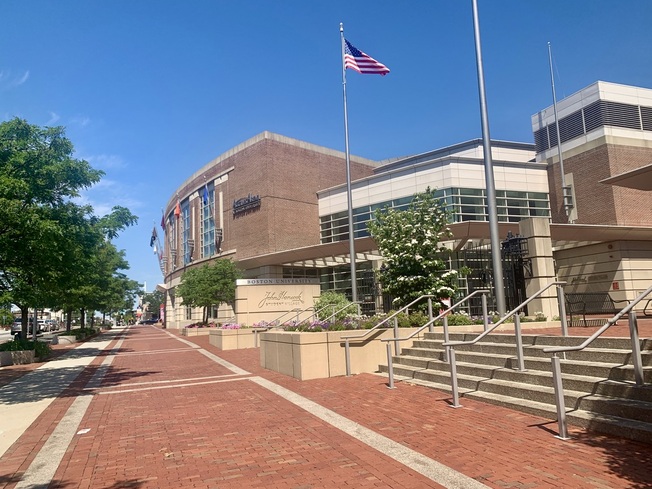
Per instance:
x=154, y=300
x=38, y=177
x=415, y=263
x=209, y=285
x=330, y=302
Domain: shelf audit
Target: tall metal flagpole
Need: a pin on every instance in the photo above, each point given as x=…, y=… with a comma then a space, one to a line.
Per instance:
x=565, y=191
x=354, y=282
x=499, y=289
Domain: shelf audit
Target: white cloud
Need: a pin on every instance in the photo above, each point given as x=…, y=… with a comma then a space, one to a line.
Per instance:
x=22, y=79
x=106, y=194
x=54, y=117
x=7, y=80
x=82, y=121
x=105, y=162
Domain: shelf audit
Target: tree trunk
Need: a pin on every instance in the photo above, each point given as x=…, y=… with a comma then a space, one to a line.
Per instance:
x=82, y=318
x=24, y=318
x=68, y=319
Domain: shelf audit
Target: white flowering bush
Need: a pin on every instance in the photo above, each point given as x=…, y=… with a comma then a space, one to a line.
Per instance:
x=409, y=240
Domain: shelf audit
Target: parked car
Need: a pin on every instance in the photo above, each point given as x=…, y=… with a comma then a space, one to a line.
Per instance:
x=17, y=326
x=148, y=321
x=52, y=324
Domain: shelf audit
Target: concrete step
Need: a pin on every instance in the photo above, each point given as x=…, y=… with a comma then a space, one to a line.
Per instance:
x=637, y=405
x=597, y=355
x=544, y=340
x=587, y=383
x=601, y=370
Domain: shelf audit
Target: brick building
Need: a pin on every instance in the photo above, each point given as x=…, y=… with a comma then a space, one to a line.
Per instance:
x=278, y=206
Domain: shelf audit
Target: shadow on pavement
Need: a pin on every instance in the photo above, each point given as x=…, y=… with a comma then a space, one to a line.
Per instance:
x=629, y=459
x=48, y=383
x=59, y=484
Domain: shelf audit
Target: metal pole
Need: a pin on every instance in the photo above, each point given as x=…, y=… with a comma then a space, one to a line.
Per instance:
x=485, y=313
x=519, y=342
x=397, y=347
x=636, y=349
x=456, y=394
x=390, y=366
x=499, y=289
x=347, y=357
x=559, y=397
x=447, y=349
x=562, y=310
x=354, y=284
x=431, y=328
x=566, y=204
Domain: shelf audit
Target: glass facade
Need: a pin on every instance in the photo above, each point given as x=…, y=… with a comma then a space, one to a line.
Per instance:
x=465, y=204
x=208, y=222
x=186, y=235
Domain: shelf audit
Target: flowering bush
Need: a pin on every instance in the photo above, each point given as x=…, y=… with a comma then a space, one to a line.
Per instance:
x=230, y=326
x=266, y=324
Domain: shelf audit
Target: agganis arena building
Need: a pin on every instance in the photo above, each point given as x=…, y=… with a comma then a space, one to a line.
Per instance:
x=278, y=207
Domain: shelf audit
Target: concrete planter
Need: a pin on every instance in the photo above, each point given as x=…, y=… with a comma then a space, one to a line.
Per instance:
x=66, y=339
x=16, y=357
x=5, y=358
x=307, y=356
x=235, y=339
x=197, y=331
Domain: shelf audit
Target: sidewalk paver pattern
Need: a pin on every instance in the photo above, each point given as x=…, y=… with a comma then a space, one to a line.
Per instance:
x=153, y=410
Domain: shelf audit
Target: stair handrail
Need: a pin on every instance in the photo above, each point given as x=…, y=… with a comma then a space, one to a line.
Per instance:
x=442, y=315
x=333, y=313
x=556, y=362
x=347, y=351
x=450, y=345
x=276, y=323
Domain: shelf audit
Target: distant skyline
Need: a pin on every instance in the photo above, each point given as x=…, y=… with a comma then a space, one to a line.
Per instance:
x=151, y=91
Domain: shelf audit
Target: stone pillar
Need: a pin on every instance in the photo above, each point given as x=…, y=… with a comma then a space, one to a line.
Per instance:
x=537, y=232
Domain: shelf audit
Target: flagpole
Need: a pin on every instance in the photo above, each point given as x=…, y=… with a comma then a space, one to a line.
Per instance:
x=499, y=290
x=354, y=282
x=565, y=191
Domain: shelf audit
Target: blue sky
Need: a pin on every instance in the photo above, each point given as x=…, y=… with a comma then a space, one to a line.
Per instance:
x=150, y=91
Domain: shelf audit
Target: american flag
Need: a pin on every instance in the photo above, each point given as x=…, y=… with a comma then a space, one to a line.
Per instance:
x=361, y=62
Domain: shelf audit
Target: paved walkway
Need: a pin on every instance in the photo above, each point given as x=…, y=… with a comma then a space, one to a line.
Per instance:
x=145, y=408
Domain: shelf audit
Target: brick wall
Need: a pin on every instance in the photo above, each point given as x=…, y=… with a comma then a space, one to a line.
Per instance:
x=287, y=178
x=598, y=203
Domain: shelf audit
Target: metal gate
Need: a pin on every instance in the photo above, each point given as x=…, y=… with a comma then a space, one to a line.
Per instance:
x=478, y=260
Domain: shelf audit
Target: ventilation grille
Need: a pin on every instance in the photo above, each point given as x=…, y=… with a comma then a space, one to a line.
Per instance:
x=646, y=116
x=598, y=114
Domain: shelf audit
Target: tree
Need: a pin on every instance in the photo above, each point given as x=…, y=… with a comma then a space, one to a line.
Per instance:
x=154, y=300
x=409, y=241
x=209, y=285
x=38, y=177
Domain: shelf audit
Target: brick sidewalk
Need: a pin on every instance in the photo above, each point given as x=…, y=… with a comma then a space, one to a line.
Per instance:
x=165, y=415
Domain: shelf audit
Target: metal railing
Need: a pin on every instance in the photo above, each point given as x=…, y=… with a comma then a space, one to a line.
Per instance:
x=333, y=311
x=347, y=347
x=450, y=345
x=556, y=362
x=443, y=315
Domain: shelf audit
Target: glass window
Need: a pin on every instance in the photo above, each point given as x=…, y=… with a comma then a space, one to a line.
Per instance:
x=208, y=247
x=186, y=234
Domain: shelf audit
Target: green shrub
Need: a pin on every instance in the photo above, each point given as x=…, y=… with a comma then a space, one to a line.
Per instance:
x=457, y=319
x=41, y=350
x=330, y=301
x=79, y=333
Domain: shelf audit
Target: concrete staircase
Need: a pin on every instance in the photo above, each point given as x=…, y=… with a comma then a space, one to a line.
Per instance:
x=599, y=386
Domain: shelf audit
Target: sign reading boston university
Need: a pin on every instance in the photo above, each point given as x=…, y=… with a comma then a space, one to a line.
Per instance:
x=246, y=204
x=277, y=281
x=268, y=298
